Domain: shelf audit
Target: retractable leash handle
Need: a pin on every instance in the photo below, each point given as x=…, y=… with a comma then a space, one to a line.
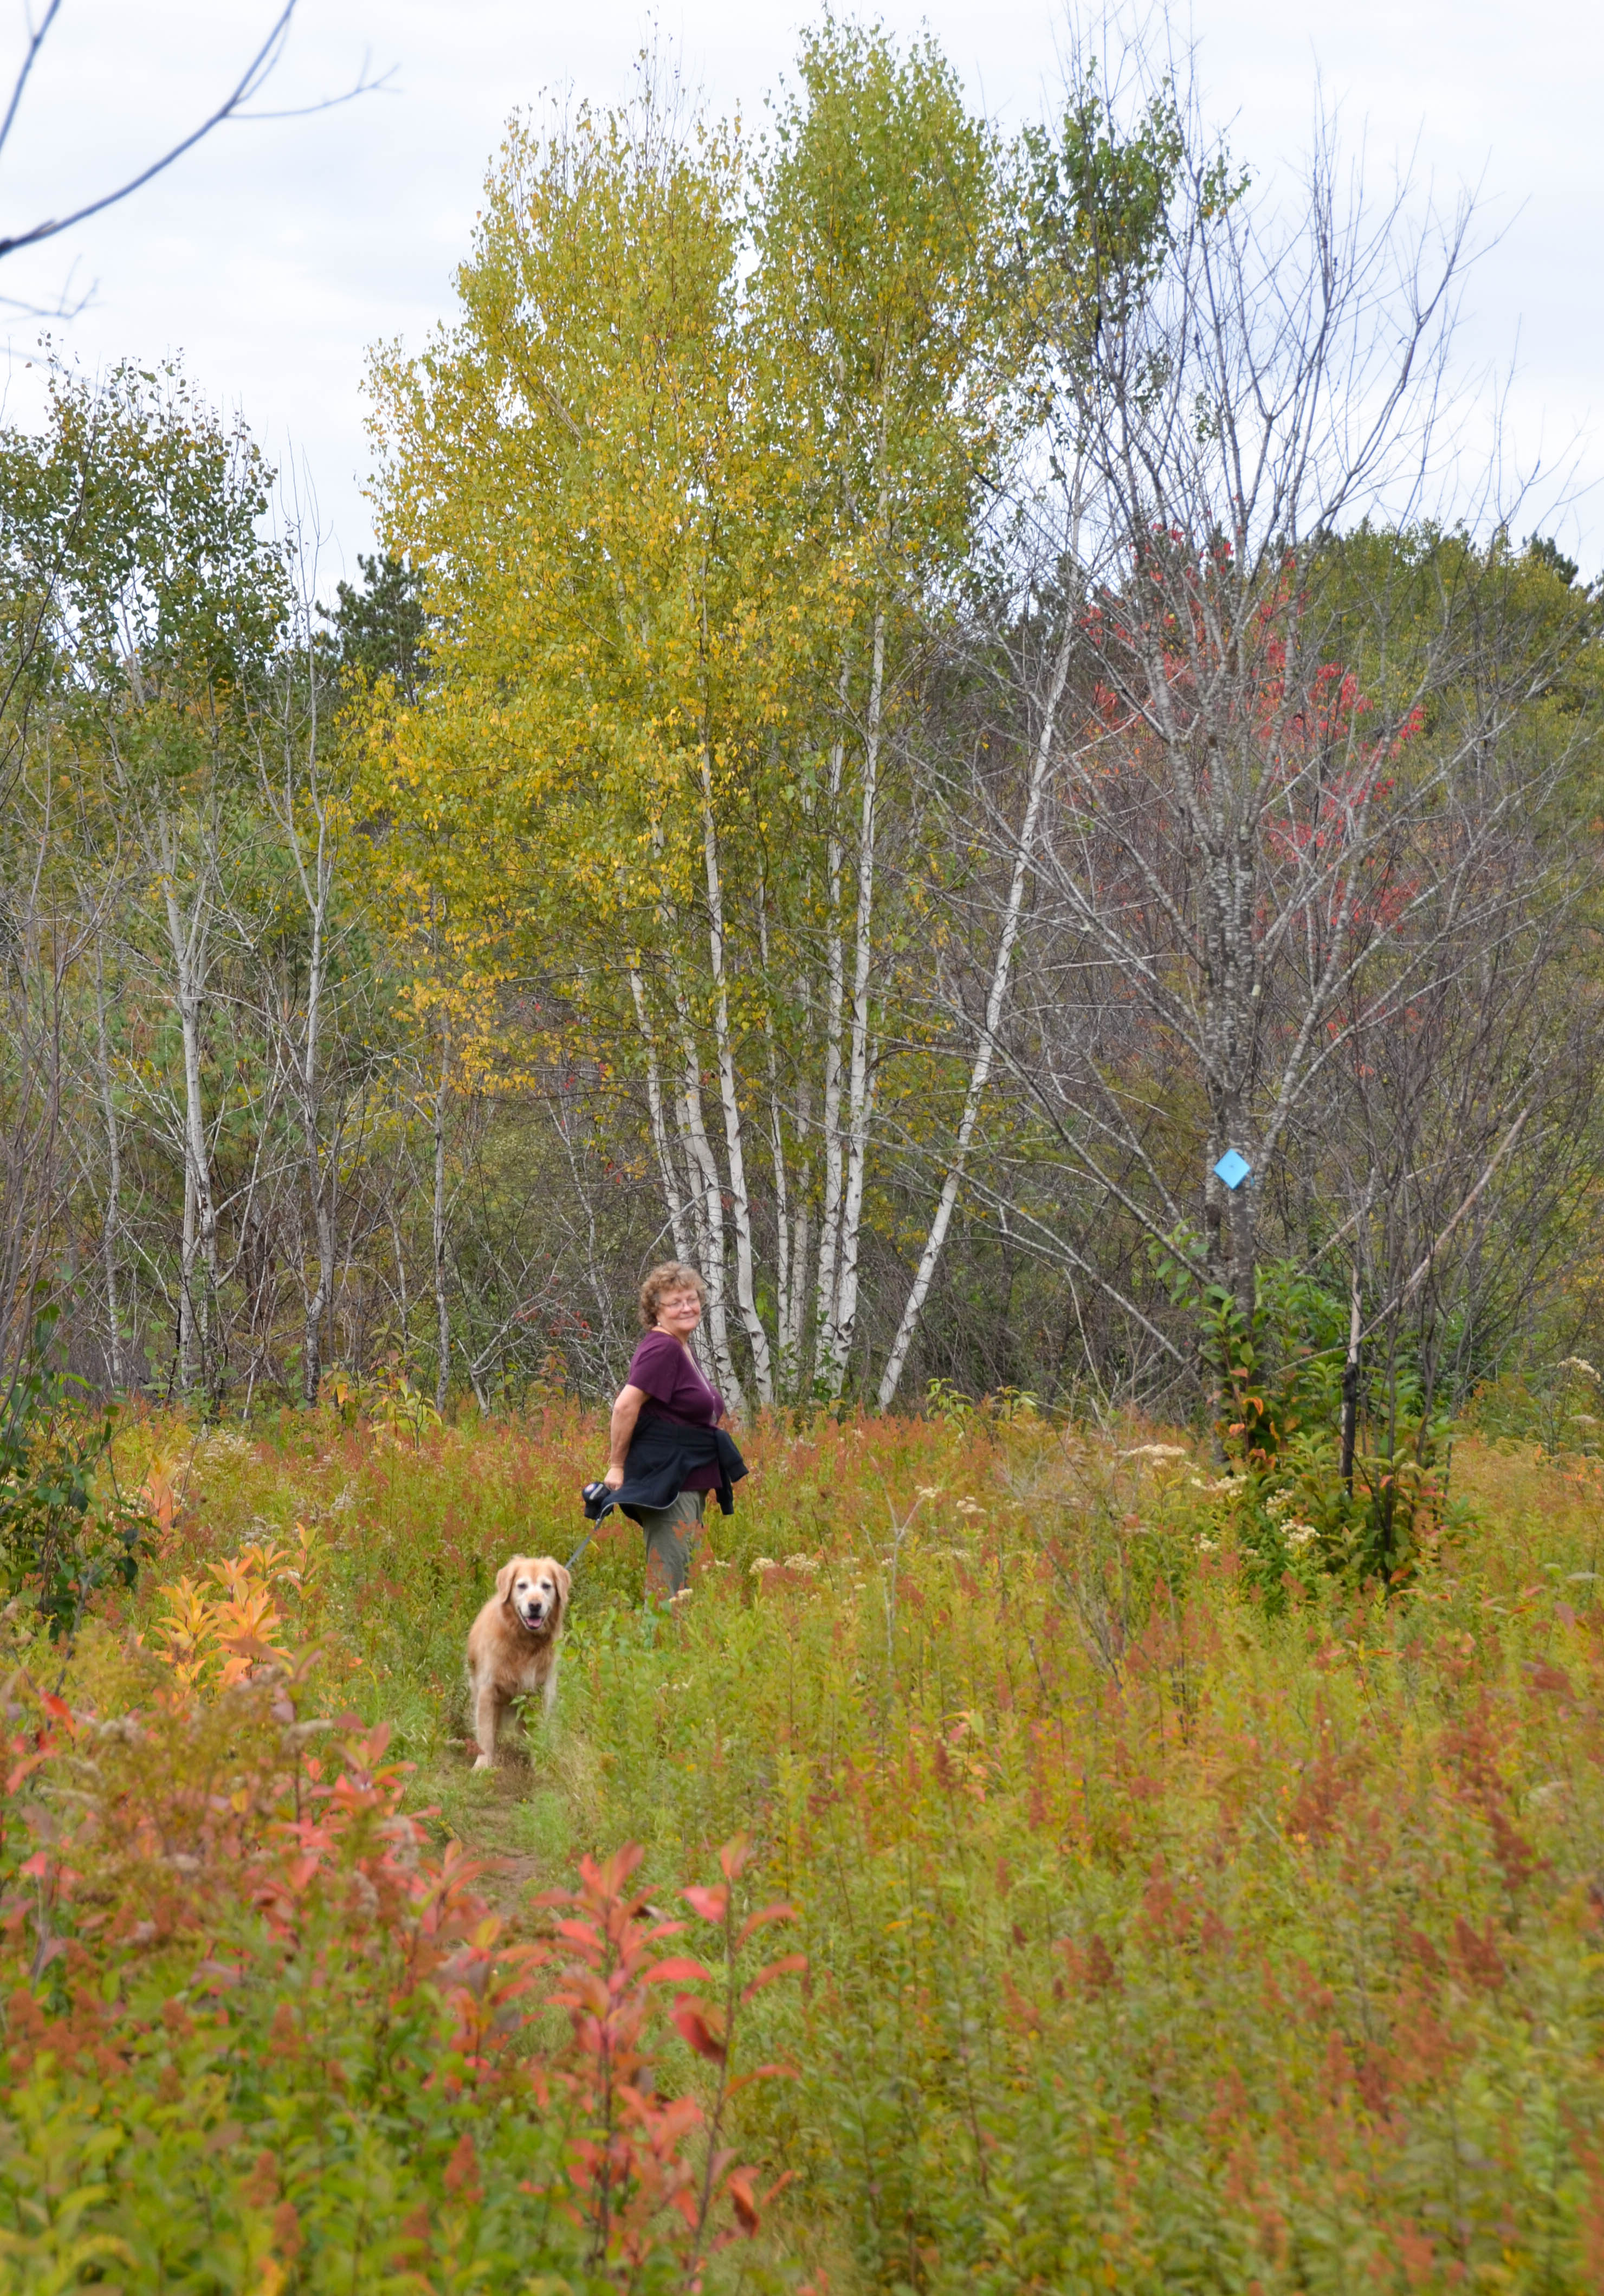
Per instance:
x=593, y=1495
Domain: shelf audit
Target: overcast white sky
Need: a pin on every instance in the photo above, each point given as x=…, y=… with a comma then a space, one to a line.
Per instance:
x=275, y=254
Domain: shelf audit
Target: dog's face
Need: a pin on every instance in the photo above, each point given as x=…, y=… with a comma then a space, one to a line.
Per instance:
x=534, y=1588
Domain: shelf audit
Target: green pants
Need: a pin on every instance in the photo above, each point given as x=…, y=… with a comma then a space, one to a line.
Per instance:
x=671, y=1532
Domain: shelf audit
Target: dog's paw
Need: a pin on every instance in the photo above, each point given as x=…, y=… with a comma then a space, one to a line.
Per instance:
x=484, y=1763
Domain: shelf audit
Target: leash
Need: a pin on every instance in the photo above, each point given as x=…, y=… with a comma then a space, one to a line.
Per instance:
x=590, y=1492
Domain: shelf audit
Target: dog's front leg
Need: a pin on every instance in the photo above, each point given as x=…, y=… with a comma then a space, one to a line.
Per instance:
x=486, y=1722
x=549, y=1688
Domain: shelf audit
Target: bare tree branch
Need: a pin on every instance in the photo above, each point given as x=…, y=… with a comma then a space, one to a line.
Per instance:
x=256, y=73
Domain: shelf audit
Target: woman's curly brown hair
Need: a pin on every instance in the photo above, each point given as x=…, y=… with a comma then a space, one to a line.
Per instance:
x=673, y=1276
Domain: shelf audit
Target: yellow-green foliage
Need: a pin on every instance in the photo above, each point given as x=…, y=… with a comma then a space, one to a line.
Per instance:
x=1154, y=1942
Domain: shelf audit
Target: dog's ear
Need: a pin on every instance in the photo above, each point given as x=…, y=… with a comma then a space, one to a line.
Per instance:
x=503, y=1579
x=565, y=1584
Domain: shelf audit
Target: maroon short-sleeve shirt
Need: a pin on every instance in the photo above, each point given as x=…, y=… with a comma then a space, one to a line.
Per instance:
x=668, y=1373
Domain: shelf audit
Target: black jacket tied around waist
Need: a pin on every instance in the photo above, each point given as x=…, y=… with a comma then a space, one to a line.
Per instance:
x=661, y=1456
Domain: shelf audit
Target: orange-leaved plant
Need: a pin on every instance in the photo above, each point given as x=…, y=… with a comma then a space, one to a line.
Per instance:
x=627, y=2160
x=259, y=2025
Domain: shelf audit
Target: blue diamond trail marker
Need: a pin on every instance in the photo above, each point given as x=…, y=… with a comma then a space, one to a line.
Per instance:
x=1233, y=1168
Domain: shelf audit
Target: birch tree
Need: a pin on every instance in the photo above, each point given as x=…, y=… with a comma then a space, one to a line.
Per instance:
x=878, y=290
x=601, y=307
x=682, y=534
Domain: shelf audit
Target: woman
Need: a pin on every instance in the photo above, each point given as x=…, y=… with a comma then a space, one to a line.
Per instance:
x=666, y=1449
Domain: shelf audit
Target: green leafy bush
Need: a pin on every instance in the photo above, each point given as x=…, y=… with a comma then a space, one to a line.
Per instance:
x=63, y=1534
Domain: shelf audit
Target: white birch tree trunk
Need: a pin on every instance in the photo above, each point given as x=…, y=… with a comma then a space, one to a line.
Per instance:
x=791, y=1244
x=437, y=1223
x=320, y=1155
x=319, y=1174
x=668, y=1170
x=188, y=938
x=980, y=1072
x=707, y=1202
x=401, y=1294
x=187, y=1284
x=313, y=856
x=740, y=1211
x=702, y=1212
x=835, y=991
x=111, y=1226
x=836, y=1345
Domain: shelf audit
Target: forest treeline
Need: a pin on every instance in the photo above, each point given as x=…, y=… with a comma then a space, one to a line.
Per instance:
x=919, y=689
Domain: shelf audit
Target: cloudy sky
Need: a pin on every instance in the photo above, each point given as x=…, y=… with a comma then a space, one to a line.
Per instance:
x=275, y=254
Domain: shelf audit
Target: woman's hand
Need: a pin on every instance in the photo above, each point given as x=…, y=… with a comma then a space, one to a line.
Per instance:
x=613, y=1478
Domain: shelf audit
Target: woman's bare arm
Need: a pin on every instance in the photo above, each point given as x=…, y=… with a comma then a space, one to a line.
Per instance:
x=625, y=1410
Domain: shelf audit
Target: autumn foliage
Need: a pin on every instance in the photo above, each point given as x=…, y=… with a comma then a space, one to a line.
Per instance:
x=1036, y=1883
x=264, y=2031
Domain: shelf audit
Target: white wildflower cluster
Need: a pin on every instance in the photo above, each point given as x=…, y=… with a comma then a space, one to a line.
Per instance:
x=1279, y=1508
x=763, y=1562
x=1581, y=1364
x=970, y=1507
x=1220, y=1483
x=214, y=1444
x=809, y=1563
x=1157, y=1451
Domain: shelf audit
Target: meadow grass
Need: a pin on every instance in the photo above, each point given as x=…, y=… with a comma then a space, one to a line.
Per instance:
x=1171, y=1923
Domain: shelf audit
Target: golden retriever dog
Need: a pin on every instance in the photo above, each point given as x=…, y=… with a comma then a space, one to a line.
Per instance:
x=512, y=1644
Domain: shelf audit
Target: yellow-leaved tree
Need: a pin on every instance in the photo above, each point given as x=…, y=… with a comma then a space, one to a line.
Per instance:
x=685, y=479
